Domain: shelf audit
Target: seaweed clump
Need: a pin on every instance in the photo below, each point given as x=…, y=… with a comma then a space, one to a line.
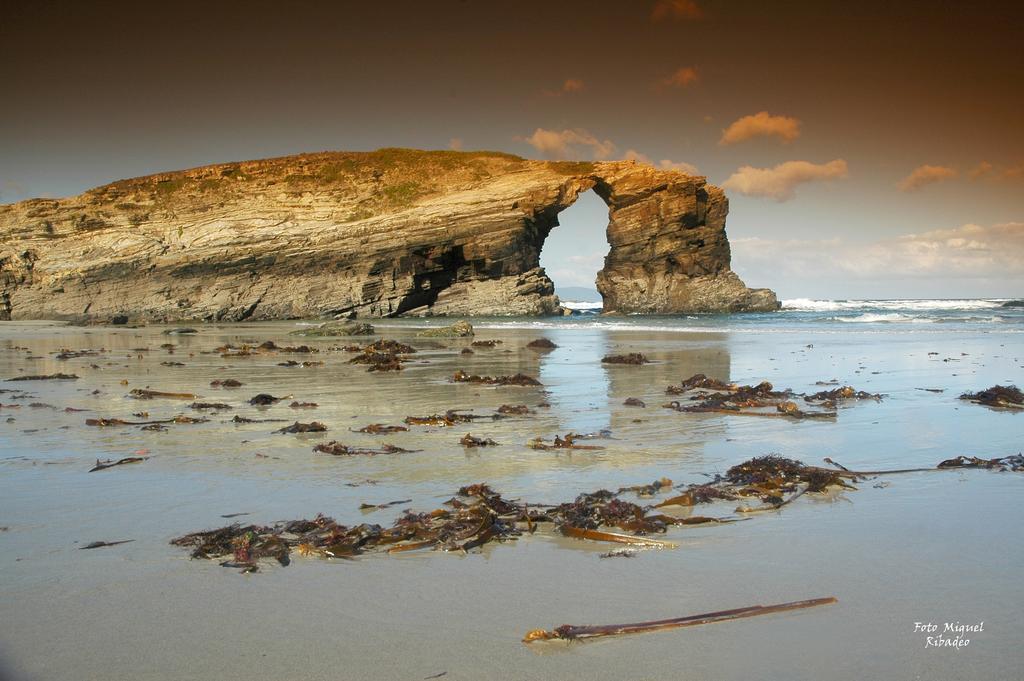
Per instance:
x=745, y=400
x=483, y=518
x=383, y=355
x=630, y=358
x=999, y=396
x=519, y=379
x=541, y=344
x=1014, y=462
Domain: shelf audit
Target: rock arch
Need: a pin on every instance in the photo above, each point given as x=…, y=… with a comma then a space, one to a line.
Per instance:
x=368, y=234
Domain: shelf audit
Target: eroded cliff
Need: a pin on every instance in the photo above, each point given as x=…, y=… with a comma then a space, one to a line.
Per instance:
x=390, y=232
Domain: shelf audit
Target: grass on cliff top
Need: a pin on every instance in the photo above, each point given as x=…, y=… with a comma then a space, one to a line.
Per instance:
x=327, y=166
x=395, y=177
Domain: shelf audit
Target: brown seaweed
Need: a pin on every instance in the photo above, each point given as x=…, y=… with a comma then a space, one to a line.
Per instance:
x=335, y=448
x=243, y=419
x=314, y=427
x=45, y=377
x=541, y=344
x=647, y=490
x=469, y=441
x=109, y=463
x=998, y=396
x=567, y=442
x=634, y=402
x=102, y=422
x=380, y=429
x=378, y=507
x=226, y=383
x=449, y=418
x=519, y=379
x=487, y=518
x=1014, y=463
x=844, y=393
x=146, y=394
x=441, y=420
x=264, y=399
x=630, y=358
x=217, y=406
x=103, y=544
x=383, y=355
x=514, y=409
x=598, y=535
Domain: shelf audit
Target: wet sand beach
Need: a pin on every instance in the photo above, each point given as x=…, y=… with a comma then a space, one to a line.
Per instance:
x=936, y=546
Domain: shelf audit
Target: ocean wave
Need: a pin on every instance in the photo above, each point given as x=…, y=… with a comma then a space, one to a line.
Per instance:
x=591, y=324
x=880, y=318
x=895, y=317
x=814, y=305
x=581, y=305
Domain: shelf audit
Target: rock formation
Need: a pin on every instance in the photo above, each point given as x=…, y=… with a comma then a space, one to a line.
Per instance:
x=373, y=234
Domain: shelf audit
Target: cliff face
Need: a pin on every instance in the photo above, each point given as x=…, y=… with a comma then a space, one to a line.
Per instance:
x=373, y=234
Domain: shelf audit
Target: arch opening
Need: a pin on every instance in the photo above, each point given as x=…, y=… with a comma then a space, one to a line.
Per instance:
x=574, y=251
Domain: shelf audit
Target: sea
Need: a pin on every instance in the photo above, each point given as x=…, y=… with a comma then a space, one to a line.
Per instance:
x=798, y=314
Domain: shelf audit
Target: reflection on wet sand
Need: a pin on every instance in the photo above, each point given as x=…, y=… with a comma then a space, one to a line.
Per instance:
x=334, y=615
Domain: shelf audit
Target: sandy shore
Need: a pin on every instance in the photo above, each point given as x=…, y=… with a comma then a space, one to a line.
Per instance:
x=929, y=547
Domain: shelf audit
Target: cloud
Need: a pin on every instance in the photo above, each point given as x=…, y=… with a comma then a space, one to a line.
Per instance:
x=780, y=182
x=983, y=169
x=970, y=251
x=925, y=175
x=455, y=143
x=681, y=77
x=761, y=124
x=569, y=86
x=677, y=10
x=987, y=171
x=664, y=164
x=564, y=143
x=572, y=85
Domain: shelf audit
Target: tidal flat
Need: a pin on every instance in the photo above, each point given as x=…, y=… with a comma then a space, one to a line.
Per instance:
x=928, y=547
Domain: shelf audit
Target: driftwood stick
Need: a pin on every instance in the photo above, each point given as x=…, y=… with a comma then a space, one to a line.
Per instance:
x=571, y=632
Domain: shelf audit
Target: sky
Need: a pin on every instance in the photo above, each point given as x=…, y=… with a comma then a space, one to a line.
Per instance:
x=869, y=149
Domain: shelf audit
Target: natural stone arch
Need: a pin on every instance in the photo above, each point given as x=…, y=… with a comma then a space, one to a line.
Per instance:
x=396, y=231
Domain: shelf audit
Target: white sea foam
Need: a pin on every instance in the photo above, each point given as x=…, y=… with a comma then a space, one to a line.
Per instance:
x=581, y=305
x=591, y=323
x=812, y=305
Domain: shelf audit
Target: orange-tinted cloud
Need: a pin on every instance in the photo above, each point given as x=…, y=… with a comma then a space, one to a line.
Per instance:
x=569, y=86
x=664, y=164
x=677, y=10
x=1014, y=172
x=761, y=124
x=455, y=143
x=987, y=171
x=681, y=77
x=562, y=144
x=780, y=182
x=983, y=169
x=925, y=175
x=572, y=85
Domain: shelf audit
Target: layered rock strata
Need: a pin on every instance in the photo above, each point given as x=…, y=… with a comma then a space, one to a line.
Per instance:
x=368, y=234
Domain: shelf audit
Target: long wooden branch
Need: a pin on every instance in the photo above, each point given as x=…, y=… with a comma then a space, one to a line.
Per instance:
x=572, y=632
